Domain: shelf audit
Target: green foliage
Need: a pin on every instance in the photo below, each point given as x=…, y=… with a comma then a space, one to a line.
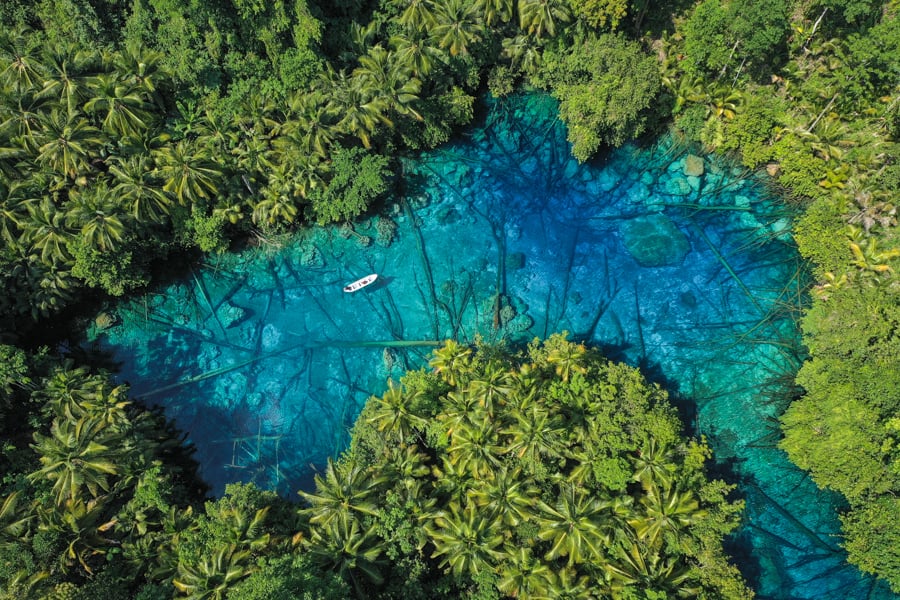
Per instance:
x=873, y=538
x=359, y=178
x=751, y=130
x=601, y=14
x=494, y=473
x=605, y=86
x=706, y=44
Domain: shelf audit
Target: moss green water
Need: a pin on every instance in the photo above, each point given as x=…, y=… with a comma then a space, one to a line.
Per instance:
x=679, y=263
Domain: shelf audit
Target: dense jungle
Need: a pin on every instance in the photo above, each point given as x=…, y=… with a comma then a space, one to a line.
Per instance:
x=140, y=137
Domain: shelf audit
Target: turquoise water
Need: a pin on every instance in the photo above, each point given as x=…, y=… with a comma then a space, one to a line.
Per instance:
x=679, y=263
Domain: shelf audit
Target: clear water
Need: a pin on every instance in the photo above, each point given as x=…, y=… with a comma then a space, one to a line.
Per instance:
x=266, y=361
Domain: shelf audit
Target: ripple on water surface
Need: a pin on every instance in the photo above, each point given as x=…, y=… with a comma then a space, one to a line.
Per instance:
x=676, y=262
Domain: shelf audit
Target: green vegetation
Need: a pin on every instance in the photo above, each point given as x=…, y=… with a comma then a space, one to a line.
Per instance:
x=491, y=475
x=134, y=132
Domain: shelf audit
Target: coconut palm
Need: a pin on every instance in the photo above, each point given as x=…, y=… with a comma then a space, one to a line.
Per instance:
x=64, y=81
x=189, y=172
x=66, y=143
x=567, y=358
x=491, y=386
x=212, y=576
x=495, y=10
x=14, y=523
x=279, y=198
x=476, y=447
x=311, y=123
x=350, y=550
x=541, y=17
x=392, y=414
x=507, y=496
x=44, y=229
x=415, y=54
x=77, y=455
x=388, y=80
x=451, y=361
x=667, y=510
x=535, y=433
x=362, y=114
x=456, y=26
x=138, y=189
x=523, y=576
x=124, y=112
x=141, y=69
x=20, y=62
x=572, y=526
x=416, y=15
x=466, y=539
x=344, y=491
x=453, y=480
x=654, y=465
x=638, y=569
x=95, y=213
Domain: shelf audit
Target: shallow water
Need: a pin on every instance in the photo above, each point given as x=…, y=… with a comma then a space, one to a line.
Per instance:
x=682, y=265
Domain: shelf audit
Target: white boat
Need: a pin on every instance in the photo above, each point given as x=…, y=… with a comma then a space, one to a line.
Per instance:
x=361, y=283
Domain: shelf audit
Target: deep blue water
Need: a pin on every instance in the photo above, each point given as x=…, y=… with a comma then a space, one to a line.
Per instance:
x=681, y=264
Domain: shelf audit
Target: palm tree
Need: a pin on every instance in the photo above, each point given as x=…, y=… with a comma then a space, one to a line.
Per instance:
x=124, y=111
x=507, y=496
x=638, y=569
x=44, y=229
x=64, y=82
x=522, y=575
x=654, y=465
x=456, y=26
x=477, y=448
x=535, y=433
x=667, y=510
x=416, y=15
x=391, y=414
x=141, y=69
x=14, y=523
x=346, y=489
x=567, y=358
x=20, y=64
x=278, y=202
x=466, y=539
x=414, y=54
x=572, y=526
x=453, y=480
x=387, y=80
x=138, y=189
x=493, y=10
x=539, y=17
x=461, y=409
x=189, y=173
x=494, y=384
x=76, y=455
x=343, y=546
x=524, y=53
x=66, y=143
x=310, y=127
x=361, y=114
x=95, y=212
x=451, y=361
x=213, y=576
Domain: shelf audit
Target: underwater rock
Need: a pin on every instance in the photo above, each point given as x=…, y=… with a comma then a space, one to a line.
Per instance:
x=693, y=166
x=655, y=241
x=105, y=320
x=638, y=193
x=230, y=315
x=742, y=201
x=271, y=336
x=678, y=186
x=515, y=261
x=694, y=182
